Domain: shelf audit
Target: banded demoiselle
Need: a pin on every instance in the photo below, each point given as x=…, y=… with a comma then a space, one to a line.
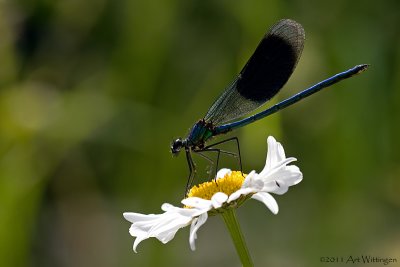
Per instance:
x=265, y=73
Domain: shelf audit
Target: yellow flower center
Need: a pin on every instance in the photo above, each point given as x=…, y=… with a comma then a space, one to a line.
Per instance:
x=230, y=183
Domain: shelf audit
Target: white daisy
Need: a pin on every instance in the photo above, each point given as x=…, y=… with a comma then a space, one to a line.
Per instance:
x=228, y=191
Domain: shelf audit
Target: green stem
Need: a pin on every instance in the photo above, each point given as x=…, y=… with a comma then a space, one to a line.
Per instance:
x=237, y=237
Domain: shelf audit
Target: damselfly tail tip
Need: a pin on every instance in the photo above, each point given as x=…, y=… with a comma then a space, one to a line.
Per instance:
x=362, y=68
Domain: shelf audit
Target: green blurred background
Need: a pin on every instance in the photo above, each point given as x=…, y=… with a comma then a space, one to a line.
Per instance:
x=92, y=93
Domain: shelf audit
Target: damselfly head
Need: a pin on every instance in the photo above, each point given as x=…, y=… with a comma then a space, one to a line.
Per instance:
x=176, y=146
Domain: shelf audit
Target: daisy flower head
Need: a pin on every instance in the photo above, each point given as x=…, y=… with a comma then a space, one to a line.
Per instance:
x=227, y=192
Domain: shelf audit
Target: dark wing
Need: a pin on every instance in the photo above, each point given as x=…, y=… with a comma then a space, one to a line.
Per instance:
x=267, y=70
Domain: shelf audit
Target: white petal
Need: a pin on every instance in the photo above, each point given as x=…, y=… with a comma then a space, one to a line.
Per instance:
x=182, y=211
x=279, y=166
x=161, y=226
x=143, y=226
x=272, y=154
x=171, y=223
x=294, y=175
x=197, y=202
x=133, y=217
x=276, y=175
x=268, y=201
x=280, y=179
x=222, y=172
x=238, y=193
x=167, y=207
x=196, y=224
x=218, y=199
x=250, y=185
x=280, y=152
x=280, y=190
x=276, y=166
x=253, y=180
x=138, y=240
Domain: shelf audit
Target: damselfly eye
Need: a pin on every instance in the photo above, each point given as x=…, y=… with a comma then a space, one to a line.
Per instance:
x=176, y=146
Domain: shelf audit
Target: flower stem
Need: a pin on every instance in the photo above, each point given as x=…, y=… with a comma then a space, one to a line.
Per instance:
x=231, y=222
